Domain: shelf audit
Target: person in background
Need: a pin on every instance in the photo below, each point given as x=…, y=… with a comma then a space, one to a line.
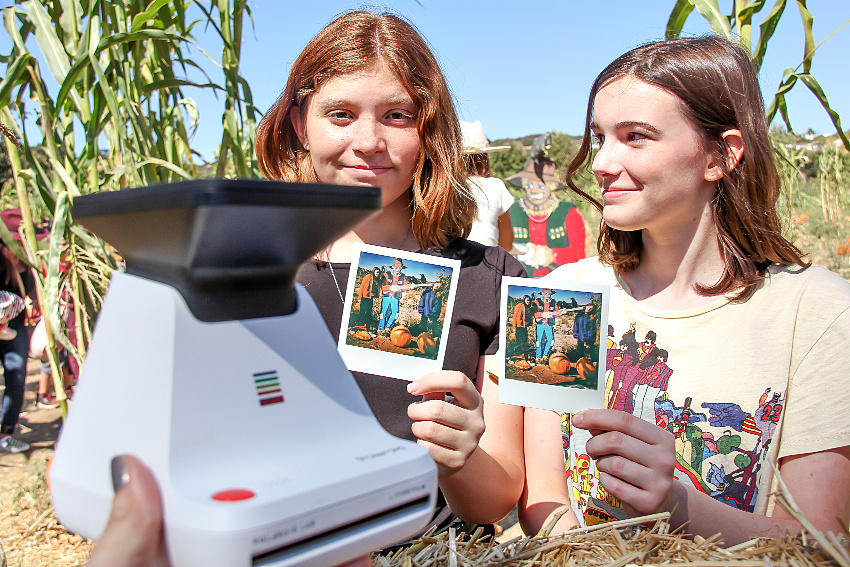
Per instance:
x=38, y=349
x=14, y=353
x=492, y=224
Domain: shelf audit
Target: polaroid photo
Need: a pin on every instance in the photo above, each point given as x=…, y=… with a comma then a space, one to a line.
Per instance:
x=554, y=350
x=398, y=306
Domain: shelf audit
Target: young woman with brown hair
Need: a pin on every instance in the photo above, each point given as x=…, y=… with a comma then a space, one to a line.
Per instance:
x=366, y=104
x=743, y=341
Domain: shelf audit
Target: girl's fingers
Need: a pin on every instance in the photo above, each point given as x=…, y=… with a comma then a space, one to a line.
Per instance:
x=657, y=453
x=636, y=459
x=450, y=431
x=450, y=382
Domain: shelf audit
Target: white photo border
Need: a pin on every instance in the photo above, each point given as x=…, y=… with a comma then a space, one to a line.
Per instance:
x=560, y=398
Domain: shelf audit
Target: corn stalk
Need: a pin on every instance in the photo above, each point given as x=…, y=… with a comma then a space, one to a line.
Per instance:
x=119, y=119
x=738, y=26
x=832, y=165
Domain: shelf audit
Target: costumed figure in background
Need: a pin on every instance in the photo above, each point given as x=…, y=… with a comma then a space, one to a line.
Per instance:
x=492, y=224
x=547, y=232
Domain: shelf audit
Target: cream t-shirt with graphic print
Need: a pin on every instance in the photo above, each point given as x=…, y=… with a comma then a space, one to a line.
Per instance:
x=737, y=383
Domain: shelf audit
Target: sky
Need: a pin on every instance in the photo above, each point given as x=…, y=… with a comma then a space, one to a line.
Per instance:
x=526, y=68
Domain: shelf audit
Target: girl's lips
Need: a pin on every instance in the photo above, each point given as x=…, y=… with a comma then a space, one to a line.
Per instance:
x=366, y=174
x=615, y=192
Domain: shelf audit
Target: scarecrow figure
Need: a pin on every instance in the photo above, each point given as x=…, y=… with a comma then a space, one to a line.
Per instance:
x=548, y=232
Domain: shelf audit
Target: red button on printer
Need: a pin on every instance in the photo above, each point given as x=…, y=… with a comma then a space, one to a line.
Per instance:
x=233, y=495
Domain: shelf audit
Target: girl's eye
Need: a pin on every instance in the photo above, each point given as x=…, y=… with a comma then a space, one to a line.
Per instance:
x=339, y=114
x=400, y=116
x=636, y=137
x=598, y=138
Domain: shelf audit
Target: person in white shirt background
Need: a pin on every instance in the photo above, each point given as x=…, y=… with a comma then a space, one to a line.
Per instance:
x=492, y=225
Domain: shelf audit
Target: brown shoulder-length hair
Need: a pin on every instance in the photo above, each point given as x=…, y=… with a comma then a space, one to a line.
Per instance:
x=717, y=86
x=442, y=205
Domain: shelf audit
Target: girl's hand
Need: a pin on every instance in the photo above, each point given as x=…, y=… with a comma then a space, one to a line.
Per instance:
x=133, y=536
x=636, y=459
x=449, y=430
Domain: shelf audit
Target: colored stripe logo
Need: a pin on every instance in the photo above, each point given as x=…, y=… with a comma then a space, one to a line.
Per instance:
x=268, y=388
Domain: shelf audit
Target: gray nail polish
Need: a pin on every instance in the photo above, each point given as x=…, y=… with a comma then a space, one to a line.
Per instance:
x=120, y=474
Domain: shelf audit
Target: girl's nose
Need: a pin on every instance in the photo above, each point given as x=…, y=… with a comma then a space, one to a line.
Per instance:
x=368, y=136
x=604, y=162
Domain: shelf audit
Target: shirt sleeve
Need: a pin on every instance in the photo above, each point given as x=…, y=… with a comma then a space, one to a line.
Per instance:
x=816, y=413
x=505, y=197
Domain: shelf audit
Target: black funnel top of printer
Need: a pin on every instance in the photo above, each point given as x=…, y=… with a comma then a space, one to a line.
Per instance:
x=231, y=247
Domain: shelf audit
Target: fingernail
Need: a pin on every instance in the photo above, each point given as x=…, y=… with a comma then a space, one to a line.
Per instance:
x=577, y=419
x=120, y=474
x=413, y=387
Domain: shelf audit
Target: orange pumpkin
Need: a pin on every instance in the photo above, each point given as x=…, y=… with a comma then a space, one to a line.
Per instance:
x=559, y=363
x=400, y=336
x=585, y=367
x=427, y=344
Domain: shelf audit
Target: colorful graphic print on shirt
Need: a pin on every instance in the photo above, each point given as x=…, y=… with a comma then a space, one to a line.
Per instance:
x=721, y=446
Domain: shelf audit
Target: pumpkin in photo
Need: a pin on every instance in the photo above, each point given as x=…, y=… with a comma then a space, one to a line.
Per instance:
x=426, y=343
x=559, y=363
x=400, y=336
x=585, y=367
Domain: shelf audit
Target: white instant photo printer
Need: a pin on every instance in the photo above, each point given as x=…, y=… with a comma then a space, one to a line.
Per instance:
x=210, y=364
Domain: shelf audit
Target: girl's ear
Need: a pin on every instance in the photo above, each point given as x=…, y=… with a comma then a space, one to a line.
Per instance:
x=298, y=126
x=733, y=143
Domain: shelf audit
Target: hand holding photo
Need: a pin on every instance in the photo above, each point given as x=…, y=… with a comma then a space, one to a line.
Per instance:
x=553, y=355
x=397, y=307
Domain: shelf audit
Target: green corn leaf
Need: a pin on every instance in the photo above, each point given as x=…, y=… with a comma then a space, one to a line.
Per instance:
x=9, y=21
x=748, y=11
x=52, y=276
x=74, y=72
x=15, y=75
x=66, y=179
x=809, y=47
x=166, y=84
x=789, y=79
x=166, y=164
x=52, y=49
x=69, y=19
x=710, y=10
x=139, y=20
x=816, y=89
x=767, y=28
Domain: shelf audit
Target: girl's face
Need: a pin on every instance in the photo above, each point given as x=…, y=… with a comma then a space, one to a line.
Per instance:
x=360, y=129
x=651, y=167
